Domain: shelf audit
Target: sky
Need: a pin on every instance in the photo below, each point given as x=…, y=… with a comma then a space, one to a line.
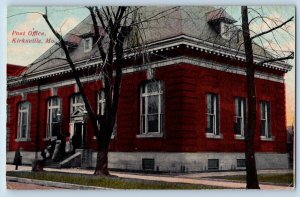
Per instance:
x=29, y=19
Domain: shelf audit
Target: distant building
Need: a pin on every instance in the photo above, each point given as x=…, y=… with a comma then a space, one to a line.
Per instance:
x=184, y=110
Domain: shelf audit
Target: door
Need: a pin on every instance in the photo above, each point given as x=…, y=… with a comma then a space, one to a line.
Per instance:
x=78, y=139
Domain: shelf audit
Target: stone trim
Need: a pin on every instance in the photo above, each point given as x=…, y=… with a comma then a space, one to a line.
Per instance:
x=158, y=64
x=163, y=45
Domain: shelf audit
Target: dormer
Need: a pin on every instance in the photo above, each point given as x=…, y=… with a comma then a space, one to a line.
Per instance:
x=221, y=22
x=87, y=38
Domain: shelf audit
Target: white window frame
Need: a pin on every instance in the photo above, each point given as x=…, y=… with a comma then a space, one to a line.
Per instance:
x=216, y=133
x=102, y=101
x=265, y=107
x=50, y=110
x=87, y=48
x=146, y=94
x=226, y=34
x=242, y=116
x=74, y=104
x=20, y=123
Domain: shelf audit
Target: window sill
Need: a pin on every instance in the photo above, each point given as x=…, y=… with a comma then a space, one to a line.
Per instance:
x=264, y=138
x=87, y=50
x=150, y=135
x=23, y=140
x=112, y=137
x=213, y=136
x=50, y=138
x=239, y=137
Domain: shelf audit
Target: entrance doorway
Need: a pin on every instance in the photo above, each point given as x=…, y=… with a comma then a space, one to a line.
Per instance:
x=79, y=137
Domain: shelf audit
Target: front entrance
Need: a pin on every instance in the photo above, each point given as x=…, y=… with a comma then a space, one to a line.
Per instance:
x=78, y=129
x=79, y=136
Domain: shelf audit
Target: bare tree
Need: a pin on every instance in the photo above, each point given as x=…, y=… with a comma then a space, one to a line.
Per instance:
x=251, y=177
x=112, y=26
x=117, y=27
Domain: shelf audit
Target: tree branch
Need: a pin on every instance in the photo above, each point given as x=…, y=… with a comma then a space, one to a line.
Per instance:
x=290, y=56
x=274, y=28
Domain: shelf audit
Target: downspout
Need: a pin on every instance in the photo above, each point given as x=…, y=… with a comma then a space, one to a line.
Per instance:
x=37, y=123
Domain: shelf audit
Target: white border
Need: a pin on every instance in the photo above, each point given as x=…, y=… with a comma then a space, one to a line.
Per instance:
x=145, y=193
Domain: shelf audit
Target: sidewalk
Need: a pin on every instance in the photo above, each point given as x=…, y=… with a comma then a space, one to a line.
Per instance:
x=191, y=178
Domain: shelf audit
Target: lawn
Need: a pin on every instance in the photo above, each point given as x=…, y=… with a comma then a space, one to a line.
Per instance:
x=108, y=182
x=281, y=179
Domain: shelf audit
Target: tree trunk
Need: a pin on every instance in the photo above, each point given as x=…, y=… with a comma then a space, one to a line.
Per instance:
x=252, y=181
x=102, y=163
x=103, y=141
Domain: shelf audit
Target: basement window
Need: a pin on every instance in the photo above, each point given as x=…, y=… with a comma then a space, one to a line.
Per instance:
x=213, y=164
x=241, y=163
x=148, y=164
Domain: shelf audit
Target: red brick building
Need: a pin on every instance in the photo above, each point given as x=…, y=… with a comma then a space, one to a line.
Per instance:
x=183, y=110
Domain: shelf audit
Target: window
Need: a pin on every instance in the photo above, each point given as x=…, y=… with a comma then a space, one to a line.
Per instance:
x=87, y=44
x=152, y=109
x=23, y=121
x=240, y=117
x=54, y=117
x=241, y=163
x=101, y=108
x=77, y=102
x=213, y=164
x=148, y=164
x=101, y=102
x=213, y=116
x=226, y=30
x=265, y=120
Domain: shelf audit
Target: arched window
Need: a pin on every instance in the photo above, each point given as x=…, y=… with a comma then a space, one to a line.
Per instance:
x=54, y=117
x=24, y=121
x=152, y=108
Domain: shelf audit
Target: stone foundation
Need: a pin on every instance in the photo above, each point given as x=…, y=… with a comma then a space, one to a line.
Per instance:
x=178, y=162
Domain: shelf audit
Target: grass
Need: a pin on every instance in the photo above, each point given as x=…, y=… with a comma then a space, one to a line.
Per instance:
x=280, y=179
x=108, y=182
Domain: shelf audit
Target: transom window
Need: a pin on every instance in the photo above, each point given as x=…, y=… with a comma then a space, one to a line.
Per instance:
x=54, y=117
x=265, y=119
x=23, y=120
x=240, y=116
x=152, y=108
x=213, y=117
x=76, y=102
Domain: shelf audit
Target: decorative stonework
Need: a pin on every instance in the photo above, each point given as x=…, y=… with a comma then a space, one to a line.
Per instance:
x=150, y=73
